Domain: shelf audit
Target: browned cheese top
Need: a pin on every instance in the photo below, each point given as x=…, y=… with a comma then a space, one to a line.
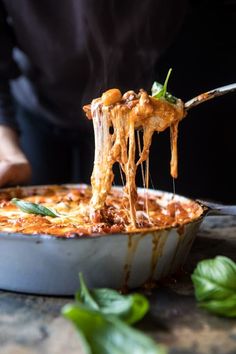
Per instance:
x=72, y=204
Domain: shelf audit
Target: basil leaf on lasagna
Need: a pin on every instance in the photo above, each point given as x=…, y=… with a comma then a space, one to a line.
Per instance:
x=160, y=91
x=33, y=208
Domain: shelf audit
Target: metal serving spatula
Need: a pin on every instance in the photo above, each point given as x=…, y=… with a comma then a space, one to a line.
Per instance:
x=209, y=95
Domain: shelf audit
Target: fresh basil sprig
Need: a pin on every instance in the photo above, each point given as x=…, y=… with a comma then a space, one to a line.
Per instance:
x=33, y=208
x=102, y=317
x=215, y=285
x=129, y=308
x=160, y=91
x=108, y=334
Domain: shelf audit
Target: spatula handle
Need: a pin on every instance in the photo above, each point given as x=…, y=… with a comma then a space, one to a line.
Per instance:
x=209, y=95
x=218, y=209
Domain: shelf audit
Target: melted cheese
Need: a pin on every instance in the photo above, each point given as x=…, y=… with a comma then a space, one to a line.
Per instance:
x=114, y=130
x=101, y=209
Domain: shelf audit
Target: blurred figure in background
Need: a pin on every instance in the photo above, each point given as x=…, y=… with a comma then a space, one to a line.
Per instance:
x=54, y=59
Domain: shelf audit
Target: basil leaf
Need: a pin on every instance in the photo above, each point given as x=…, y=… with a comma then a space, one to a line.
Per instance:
x=157, y=89
x=33, y=208
x=108, y=334
x=215, y=285
x=166, y=82
x=160, y=91
x=138, y=309
x=130, y=308
x=226, y=307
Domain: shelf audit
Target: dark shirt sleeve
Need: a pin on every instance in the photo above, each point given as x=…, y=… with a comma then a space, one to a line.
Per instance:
x=8, y=71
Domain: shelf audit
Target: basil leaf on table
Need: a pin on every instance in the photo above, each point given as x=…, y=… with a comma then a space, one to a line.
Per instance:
x=160, y=91
x=215, y=285
x=130, y=308
x=33, y=208
x=108, y=334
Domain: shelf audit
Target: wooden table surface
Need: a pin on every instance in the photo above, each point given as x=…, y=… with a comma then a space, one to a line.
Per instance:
x=32, y=324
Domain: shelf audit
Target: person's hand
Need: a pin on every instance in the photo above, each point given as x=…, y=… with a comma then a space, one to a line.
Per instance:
x=14, y=166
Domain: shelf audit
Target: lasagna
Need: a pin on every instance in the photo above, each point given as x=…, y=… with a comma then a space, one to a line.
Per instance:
x=123, y=128
x=116, y=120
x=70, y=206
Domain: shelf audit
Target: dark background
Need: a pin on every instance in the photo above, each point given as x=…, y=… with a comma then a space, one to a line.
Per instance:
x=202, y=58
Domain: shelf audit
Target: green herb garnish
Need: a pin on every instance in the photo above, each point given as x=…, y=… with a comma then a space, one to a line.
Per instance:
x=129, y=308
x=215, y=285
x=33, y=208
x=108, y=334
x=102, y=316
x=160, y=91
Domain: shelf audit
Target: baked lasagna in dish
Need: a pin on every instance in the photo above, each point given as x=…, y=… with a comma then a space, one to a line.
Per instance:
x=66, y=211
x=123, y=128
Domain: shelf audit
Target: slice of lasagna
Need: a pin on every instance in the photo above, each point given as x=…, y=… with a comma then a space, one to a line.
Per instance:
x=116, y=118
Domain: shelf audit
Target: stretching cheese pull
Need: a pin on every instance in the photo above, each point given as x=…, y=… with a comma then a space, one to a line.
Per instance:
x=115, y=119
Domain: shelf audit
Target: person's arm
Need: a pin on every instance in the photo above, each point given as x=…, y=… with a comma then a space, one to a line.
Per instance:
x=14, y=167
